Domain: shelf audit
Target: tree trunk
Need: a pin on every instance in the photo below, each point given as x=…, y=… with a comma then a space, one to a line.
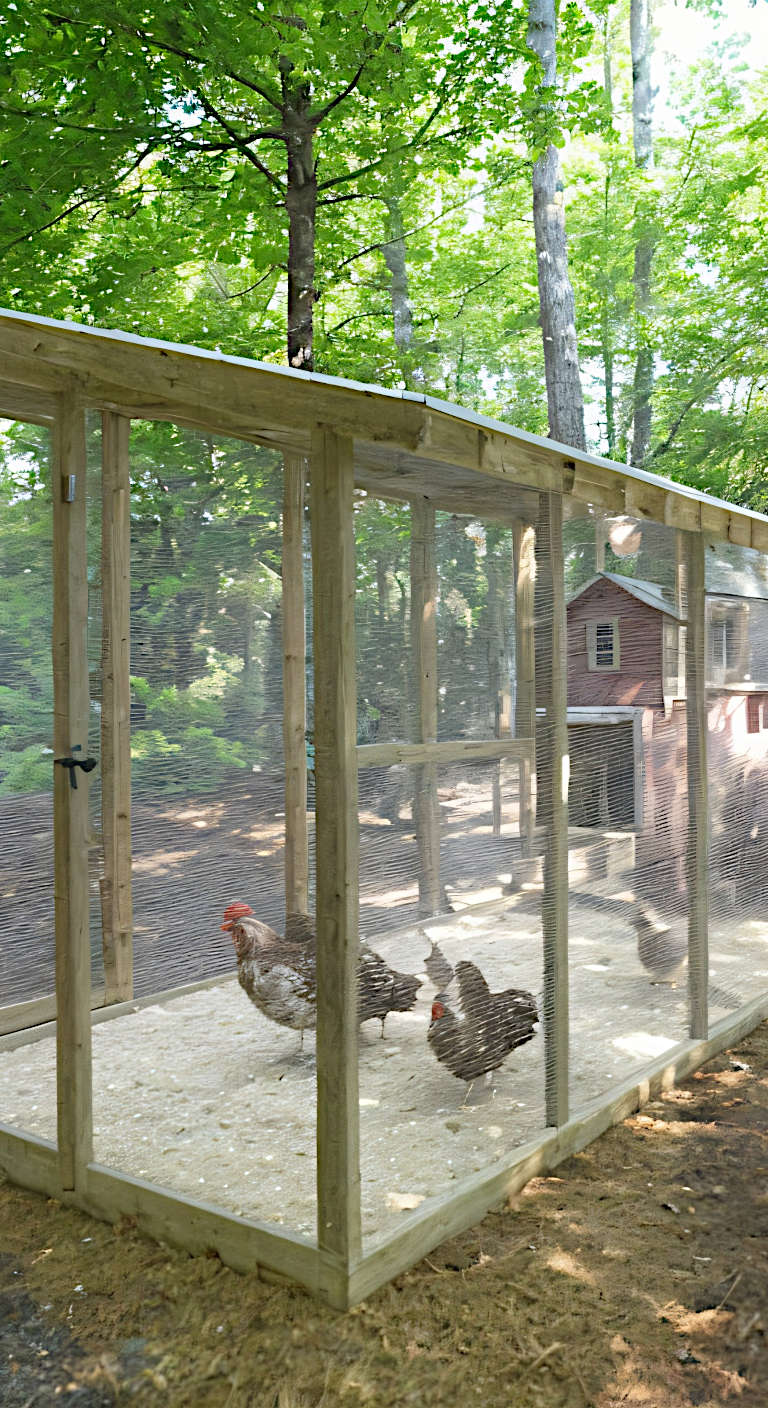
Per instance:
x=301, y=205
x=556, y=303
x=395, y=254
x=606, y=331
x=642, y=135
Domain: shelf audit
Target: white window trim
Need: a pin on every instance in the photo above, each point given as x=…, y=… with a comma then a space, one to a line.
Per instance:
x=592, y=661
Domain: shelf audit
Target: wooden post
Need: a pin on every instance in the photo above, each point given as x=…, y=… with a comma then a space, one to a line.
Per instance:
x=294, y=688
x=552, y=747
x=116, y=899
x=498, y=679
x=333, y=580
x=698, y=818
x=426, y=813
x=525, y=667
x=70, y=804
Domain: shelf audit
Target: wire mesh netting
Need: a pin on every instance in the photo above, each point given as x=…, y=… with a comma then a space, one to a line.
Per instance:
x=737, y=759
x=628, y=799
x=450, y=897
x=454, y=619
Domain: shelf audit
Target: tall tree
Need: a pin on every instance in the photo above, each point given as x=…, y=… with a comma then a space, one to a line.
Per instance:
x=641, y=40
x=556, y=301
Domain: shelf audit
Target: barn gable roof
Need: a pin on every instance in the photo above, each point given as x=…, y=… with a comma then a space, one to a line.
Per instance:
x=649, y=593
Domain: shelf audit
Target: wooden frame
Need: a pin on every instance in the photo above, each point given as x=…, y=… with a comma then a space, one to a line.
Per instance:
x=70, y=803
x=116, y=897
x=247, y=1245
x=399, y=445
x=698, y=809
x=333, y=600
x=552, y=786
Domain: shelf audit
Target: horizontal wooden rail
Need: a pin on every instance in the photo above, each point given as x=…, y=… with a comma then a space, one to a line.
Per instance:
x=467, y=750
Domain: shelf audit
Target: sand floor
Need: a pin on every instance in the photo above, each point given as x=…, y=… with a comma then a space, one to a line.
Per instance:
x=204, y=1096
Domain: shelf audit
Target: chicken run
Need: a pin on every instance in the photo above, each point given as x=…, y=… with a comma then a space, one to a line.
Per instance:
x=384, y=794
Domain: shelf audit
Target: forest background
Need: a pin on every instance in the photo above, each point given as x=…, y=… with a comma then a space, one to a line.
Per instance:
x=379, y=191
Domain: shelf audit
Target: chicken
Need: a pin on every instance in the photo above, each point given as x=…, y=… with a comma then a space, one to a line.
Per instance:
x=436, y=966
x=478, y=1037
x=280, y=977
x=662, y=945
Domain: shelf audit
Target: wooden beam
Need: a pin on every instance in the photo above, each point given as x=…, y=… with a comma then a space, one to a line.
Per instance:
x=477, y=750
x=22, y=1016
x=333, y=597
x=70, y=804
x=426, y=811
x=552, y=787
x=294, y=688
x=525, y=669
x=26, y=404
x=116, y=897
x=698, y=806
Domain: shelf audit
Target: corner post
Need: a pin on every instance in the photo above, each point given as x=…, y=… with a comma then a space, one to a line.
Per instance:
x=70, y=804
x=698, y=817
x=116, y=898
x=333, y=578
x=552, y=750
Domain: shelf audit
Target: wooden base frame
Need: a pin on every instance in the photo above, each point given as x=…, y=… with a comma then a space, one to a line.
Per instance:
x=256, y=1248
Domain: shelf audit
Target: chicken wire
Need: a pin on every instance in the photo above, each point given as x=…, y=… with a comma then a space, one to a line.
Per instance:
x=737, y=757
x=27, y=968
x=237, y=1125
x=628, y=799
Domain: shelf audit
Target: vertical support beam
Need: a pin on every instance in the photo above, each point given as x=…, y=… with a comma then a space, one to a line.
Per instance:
x=600, y=535
x=424, y=641
x=498, y=678
x=70, y=805
x=116, y=898
x=525, y=667
x=333, y=580
x=698, y=819
x=294, y=688
x=552, y=748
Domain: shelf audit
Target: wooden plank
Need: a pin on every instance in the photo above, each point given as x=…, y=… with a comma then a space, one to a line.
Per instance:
x=698, y=807
x=29, y=1161
x=333, y=594
x=426, y=811
x=70, y=804
x=180, y=377
x=375, y=755
x=466, y=1203
x=525, y=670
x=26, y=404
x=99, y=1013
x=116, y=897
x=20, y=1016
x=552, y=788
x=294, y=688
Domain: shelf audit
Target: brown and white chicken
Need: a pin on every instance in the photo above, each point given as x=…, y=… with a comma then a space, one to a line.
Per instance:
x=279, y=975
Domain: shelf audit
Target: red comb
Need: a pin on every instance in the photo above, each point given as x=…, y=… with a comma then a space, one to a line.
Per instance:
x=235, y=911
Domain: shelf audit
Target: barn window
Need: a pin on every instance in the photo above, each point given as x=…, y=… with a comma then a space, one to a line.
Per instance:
x=753, y=713
x=603, y=645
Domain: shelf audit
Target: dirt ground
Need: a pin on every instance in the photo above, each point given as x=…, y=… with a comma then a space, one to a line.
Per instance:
x=635, y=1276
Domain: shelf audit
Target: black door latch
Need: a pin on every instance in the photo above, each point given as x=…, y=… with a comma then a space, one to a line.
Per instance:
x=87, y=764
